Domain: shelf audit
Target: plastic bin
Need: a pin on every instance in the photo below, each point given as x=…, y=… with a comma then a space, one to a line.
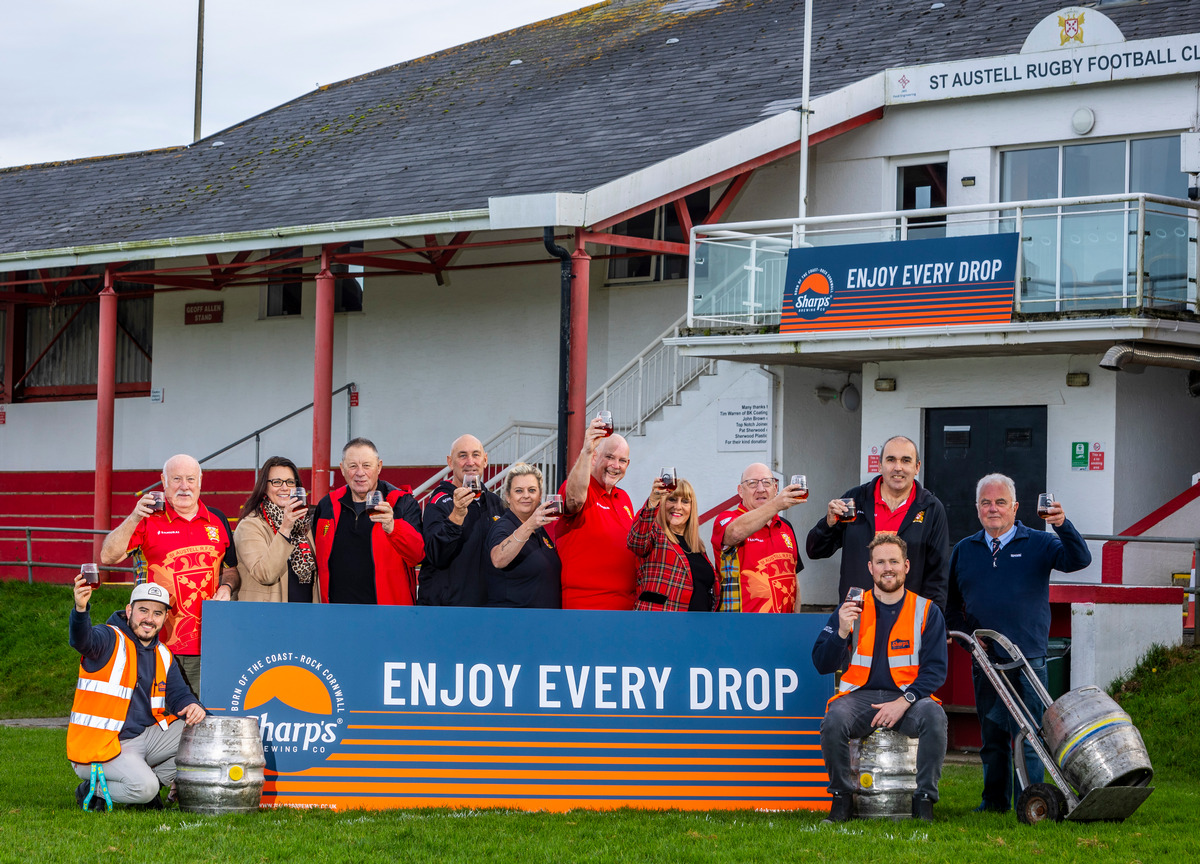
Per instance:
x=1058, y=666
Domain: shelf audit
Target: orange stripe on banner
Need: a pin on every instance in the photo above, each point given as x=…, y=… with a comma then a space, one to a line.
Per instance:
x=594, y=730
x=518, y=774
x=897, y=322
x=573, y=789
x=858, y=310
x=917, y=291
x=496, y=759
x=553, y=805
x=568, y=745
x=610, y=716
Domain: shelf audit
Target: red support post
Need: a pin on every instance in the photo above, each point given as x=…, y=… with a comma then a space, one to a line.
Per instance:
x=106, y=397
x=322, y=380
x=577, y=368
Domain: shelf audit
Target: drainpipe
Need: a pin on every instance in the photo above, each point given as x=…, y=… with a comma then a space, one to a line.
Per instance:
x=564, y=348
x=106, y=392
x=322, y=380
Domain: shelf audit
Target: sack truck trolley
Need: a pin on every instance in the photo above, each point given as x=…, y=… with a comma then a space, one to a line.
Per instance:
x=1089, y=746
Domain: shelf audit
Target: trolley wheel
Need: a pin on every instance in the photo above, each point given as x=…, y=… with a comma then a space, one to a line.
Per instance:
x=1041, y=802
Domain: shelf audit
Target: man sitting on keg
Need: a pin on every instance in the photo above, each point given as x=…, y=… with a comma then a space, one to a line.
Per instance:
x=121, y=740
x=898, y=661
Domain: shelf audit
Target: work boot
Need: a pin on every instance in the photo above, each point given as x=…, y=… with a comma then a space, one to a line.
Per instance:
x=841, y=809
x=922, y=808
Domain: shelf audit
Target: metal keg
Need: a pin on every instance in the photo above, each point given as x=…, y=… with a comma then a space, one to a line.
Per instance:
x=885, y=763
x=219, y=766
x=1094, y=742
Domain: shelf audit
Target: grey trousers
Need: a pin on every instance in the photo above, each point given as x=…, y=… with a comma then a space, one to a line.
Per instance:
x=850, y=717
x=144, y=764
x=189, y=665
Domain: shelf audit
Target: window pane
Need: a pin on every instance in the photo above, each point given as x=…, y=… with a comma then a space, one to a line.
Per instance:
x=1029, y=174
x=633, y=266
x=921, y=187
x=1094, y=169
x=1153, y=167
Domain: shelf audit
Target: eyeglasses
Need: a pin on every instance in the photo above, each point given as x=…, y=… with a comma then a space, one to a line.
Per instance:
x=759, y=484
x=279, y=484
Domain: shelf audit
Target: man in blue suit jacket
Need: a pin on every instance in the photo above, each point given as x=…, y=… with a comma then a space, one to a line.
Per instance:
x=1000, y=580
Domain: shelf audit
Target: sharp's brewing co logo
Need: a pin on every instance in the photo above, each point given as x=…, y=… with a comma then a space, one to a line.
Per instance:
x=813, y=293
x=1070, y=28
x=299, y=705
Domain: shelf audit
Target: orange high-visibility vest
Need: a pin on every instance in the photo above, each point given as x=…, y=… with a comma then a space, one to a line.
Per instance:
x=904, y=645
x=102, y=701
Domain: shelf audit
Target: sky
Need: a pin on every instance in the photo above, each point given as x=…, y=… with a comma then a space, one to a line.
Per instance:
x=80, y=78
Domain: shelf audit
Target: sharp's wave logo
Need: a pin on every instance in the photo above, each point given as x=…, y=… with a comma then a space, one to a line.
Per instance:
x=813, y=293
x=299, y=704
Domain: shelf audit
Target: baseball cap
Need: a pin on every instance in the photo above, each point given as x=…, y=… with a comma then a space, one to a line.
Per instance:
x=150, y=591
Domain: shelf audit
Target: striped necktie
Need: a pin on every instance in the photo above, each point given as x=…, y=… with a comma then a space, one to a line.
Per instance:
x=995, y=549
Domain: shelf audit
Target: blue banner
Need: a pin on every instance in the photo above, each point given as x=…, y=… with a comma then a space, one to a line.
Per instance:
x=386, y=706
x=915, y=283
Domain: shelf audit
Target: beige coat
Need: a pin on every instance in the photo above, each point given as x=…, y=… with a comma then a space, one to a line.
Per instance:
x=262, y=561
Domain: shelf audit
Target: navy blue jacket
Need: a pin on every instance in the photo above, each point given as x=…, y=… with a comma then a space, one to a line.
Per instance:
x=1012, y=598
x=831, y=652
x=924, y=529
x=453, y=573
x=95, y=646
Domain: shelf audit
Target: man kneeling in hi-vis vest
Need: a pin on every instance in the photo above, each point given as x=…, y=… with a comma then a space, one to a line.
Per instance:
x=121, y=739
x=898, y=660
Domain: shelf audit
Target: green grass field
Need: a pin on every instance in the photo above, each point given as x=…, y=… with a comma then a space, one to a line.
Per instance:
x=39, y=822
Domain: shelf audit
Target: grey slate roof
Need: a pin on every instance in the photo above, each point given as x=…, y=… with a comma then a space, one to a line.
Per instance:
x=598, y=94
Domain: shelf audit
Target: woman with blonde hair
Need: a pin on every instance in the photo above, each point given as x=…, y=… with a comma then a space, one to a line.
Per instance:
x=524, y=569
x=674, y=571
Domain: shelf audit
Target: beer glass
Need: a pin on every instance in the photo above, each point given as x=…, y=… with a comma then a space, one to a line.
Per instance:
x=801, y=481
x=606, y=418
x=855, y=595
x=669, y=478
x=474, y=483
x=1045, y=502
x=555, y=508
x=851, y=510
x=159, y=502
x=90, y=574
x=374, y=499
x=301, y=494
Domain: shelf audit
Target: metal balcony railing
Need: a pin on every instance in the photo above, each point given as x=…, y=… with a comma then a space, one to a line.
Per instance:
x=1100, y=252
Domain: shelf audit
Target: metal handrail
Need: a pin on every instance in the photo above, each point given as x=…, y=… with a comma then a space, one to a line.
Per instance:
x=257, y=433
x=1143, y=538
x=633, y=371
x=29, y=563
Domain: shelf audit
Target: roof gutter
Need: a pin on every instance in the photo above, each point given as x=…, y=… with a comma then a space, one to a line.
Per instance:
x=477, y=219
x=1130, y=354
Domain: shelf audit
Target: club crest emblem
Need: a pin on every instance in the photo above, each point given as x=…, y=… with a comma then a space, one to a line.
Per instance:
x=1070, y=28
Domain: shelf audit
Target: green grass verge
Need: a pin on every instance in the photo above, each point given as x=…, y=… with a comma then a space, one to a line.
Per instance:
x=33, y=639
x=1161, y=695
x=39, y=822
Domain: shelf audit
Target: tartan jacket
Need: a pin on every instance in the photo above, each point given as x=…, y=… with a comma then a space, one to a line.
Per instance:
x=663, y=566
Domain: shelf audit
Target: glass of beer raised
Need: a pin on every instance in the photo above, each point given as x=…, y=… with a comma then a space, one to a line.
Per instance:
x=301, y=494
x=159, y=502
x=1045, y=502
x=855, y=595
x=606, y=418
x=90, y=574
x=851, y=510
x=801, y=481
x=555, y=508
x=475, y=483
x=669, y=478
x=374, y=499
